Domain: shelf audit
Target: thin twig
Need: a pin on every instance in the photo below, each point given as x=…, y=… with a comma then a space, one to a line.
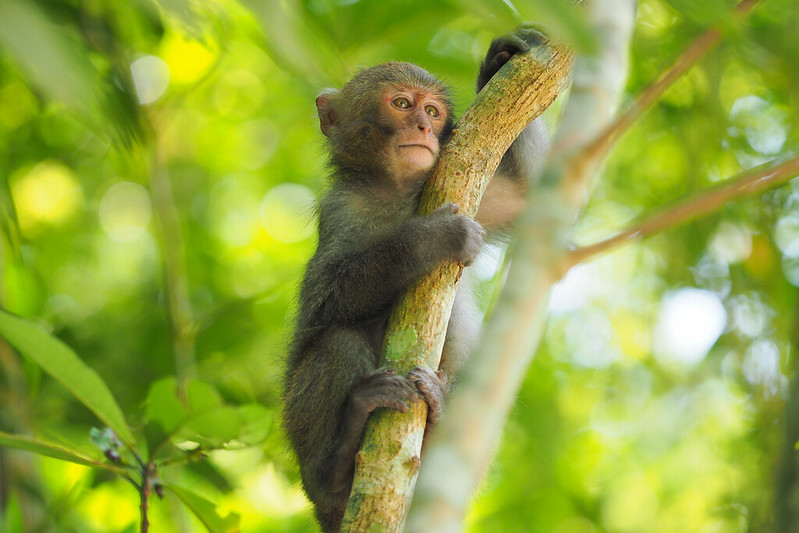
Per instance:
x=746, y=183
x=696, y=51
x=144, y=492
x=145, y=495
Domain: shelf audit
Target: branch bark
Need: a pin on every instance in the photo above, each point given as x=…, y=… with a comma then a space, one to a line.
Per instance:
x=387, y=465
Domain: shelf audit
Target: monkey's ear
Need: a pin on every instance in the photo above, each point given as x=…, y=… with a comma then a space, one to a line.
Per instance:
x=326, y=107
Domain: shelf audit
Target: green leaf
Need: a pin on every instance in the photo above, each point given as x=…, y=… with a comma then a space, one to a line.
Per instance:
x=49, y=449
x=52, y=57
x=164, y=413
x=58, y=360
x=205, y=510
x=210, y=423
x=246, y=425
x=256, y=423
x=203, y=396
x=163, y=406
x=212, y=429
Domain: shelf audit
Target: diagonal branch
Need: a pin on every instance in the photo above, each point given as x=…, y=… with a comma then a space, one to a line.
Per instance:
x=747, y=183
x=690, y=57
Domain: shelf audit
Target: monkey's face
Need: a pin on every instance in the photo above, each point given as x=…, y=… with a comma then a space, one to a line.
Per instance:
x=416, y=119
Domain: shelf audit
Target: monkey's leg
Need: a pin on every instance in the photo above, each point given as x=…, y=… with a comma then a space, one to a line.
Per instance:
x=330, y=394
x=319, y=418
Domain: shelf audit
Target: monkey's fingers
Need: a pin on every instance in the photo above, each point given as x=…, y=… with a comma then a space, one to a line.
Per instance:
x=433, y=387
x=447, y=208
x=531, y=35
x=377, y=375
x=473, y=241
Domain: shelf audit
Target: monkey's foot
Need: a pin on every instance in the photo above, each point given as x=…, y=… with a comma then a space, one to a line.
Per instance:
x=384, y=388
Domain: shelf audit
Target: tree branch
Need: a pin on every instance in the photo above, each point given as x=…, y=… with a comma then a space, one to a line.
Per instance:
x=387, y=465
x=690, y=57
x=750, y=182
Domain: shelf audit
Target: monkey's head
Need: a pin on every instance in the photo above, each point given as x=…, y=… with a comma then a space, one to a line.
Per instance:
x=387, y=122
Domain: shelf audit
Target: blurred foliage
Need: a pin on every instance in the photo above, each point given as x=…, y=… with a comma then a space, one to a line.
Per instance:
x=158, y=164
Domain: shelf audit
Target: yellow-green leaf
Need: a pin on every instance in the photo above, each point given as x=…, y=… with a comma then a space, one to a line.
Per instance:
x=58, y=360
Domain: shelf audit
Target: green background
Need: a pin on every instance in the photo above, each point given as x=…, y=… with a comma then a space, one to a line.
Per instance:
x=159, y=163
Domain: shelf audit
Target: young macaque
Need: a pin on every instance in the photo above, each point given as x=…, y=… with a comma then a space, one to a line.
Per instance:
x=385, y=130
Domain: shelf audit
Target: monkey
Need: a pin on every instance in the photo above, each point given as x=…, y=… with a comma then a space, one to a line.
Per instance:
x=385, y=129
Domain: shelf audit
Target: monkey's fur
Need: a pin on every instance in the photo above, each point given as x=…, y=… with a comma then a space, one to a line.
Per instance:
x=371, y=247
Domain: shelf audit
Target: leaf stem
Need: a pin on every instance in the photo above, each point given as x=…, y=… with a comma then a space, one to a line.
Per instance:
x=144, y=492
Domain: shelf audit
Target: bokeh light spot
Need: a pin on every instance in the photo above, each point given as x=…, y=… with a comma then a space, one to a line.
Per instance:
x=786, y=234
x=691, y=320
x=125, y=211
x=731, y=243
x=761, y=364
x=150, y=77
x=285, y=212
x=48, y=194
x=763, y=125
x=187, y=60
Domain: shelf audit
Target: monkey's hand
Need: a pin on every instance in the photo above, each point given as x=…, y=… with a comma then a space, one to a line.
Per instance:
x=503, y=48
x=460, y=237
x=434, y=387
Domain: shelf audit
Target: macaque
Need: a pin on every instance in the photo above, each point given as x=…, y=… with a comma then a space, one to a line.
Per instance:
x=385, y=129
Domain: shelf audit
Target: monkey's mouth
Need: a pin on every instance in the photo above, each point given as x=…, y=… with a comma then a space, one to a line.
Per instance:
x=419, y=145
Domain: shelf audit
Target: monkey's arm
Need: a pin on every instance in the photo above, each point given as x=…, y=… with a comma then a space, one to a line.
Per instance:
x=356, y=273
x=504, y=197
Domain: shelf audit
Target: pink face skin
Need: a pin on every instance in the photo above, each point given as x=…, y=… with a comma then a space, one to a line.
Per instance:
x=418, y=116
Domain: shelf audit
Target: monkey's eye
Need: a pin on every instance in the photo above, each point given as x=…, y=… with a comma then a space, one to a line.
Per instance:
x=401, y=103
x=432, y=110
